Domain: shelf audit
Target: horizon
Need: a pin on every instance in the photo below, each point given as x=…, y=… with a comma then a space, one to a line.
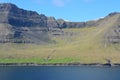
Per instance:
x=69, y=10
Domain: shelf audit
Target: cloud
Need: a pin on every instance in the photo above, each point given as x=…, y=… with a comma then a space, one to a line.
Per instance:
x=60, y=3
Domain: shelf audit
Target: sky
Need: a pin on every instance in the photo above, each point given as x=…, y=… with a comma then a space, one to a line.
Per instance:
x=71, y=10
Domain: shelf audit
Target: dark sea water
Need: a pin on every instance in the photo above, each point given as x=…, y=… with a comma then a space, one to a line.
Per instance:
x=59, y=73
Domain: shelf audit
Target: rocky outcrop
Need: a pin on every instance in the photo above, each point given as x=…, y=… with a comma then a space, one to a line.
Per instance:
x=15, y=16
x=52, y=23
x=75, y=24
x=113, y=33
x=22, y=26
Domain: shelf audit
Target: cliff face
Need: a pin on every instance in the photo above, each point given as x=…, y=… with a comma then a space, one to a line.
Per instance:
x=15, y=16
x=22, y=26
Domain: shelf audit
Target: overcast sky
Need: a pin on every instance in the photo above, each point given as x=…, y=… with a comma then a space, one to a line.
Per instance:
x=72, y=10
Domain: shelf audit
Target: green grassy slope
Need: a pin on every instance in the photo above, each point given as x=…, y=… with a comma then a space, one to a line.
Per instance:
x=84, y=45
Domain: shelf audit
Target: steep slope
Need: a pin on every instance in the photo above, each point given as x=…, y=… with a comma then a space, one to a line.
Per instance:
x=21, y=26
x=90, y=44
x=15, y=16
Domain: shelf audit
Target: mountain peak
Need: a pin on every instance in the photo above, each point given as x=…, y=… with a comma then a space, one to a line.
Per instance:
x=7, y=6
x=113, y=13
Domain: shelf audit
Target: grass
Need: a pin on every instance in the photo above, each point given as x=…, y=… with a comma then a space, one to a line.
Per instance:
x=80, y=47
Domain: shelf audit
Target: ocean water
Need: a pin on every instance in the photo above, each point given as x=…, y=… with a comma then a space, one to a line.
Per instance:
x=59, y=73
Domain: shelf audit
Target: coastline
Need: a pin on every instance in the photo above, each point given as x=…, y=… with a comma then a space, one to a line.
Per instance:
x=61, y=64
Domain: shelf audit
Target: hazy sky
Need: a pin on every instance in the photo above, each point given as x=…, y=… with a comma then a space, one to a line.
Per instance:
x=72, y=10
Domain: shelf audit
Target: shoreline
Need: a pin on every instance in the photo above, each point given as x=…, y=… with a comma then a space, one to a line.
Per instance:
x=61, y=64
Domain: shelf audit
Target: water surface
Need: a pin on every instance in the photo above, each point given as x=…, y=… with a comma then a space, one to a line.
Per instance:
x=59, y=73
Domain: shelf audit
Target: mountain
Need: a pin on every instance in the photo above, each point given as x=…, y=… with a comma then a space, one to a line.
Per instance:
x=93, y=41
x=21, y=26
